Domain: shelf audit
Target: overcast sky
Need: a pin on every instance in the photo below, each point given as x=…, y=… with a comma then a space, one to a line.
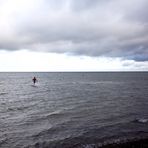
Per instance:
x=73, y=35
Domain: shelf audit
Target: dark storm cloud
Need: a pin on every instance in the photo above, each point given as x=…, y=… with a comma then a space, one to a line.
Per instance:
x=114, y=28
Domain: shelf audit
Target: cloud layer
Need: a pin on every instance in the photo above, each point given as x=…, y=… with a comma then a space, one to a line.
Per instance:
x=114, y=28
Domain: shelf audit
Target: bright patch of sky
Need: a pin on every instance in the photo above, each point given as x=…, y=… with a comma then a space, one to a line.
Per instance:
x=39, y=61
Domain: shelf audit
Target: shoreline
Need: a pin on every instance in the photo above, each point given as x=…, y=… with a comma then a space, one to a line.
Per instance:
x=135, y=143
x=131, y=143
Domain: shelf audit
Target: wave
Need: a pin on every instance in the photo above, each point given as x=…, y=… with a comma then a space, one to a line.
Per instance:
x=53, y=114
x=3, y=93
x=141, y=120
x=17, y=108
x=3, y=141
x=94, y=138
x=97, y=82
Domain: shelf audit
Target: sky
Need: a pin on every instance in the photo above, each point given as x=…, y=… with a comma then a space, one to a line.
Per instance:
x=70, y=35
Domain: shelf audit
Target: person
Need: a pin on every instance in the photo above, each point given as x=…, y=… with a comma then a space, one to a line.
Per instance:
x=34, y=80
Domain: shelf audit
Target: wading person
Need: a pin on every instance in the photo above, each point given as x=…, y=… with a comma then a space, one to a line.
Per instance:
x=34, y=80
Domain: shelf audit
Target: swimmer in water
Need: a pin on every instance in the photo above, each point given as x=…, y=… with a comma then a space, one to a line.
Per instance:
x=34, y=80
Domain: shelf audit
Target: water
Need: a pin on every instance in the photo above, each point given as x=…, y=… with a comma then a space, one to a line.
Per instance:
x=66, y=110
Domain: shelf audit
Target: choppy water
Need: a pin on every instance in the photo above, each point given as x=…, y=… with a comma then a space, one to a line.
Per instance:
x=66, y=110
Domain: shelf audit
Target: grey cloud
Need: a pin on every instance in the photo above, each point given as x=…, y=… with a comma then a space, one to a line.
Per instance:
x=84, y=4
x=93, y=28
x=138, y=12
